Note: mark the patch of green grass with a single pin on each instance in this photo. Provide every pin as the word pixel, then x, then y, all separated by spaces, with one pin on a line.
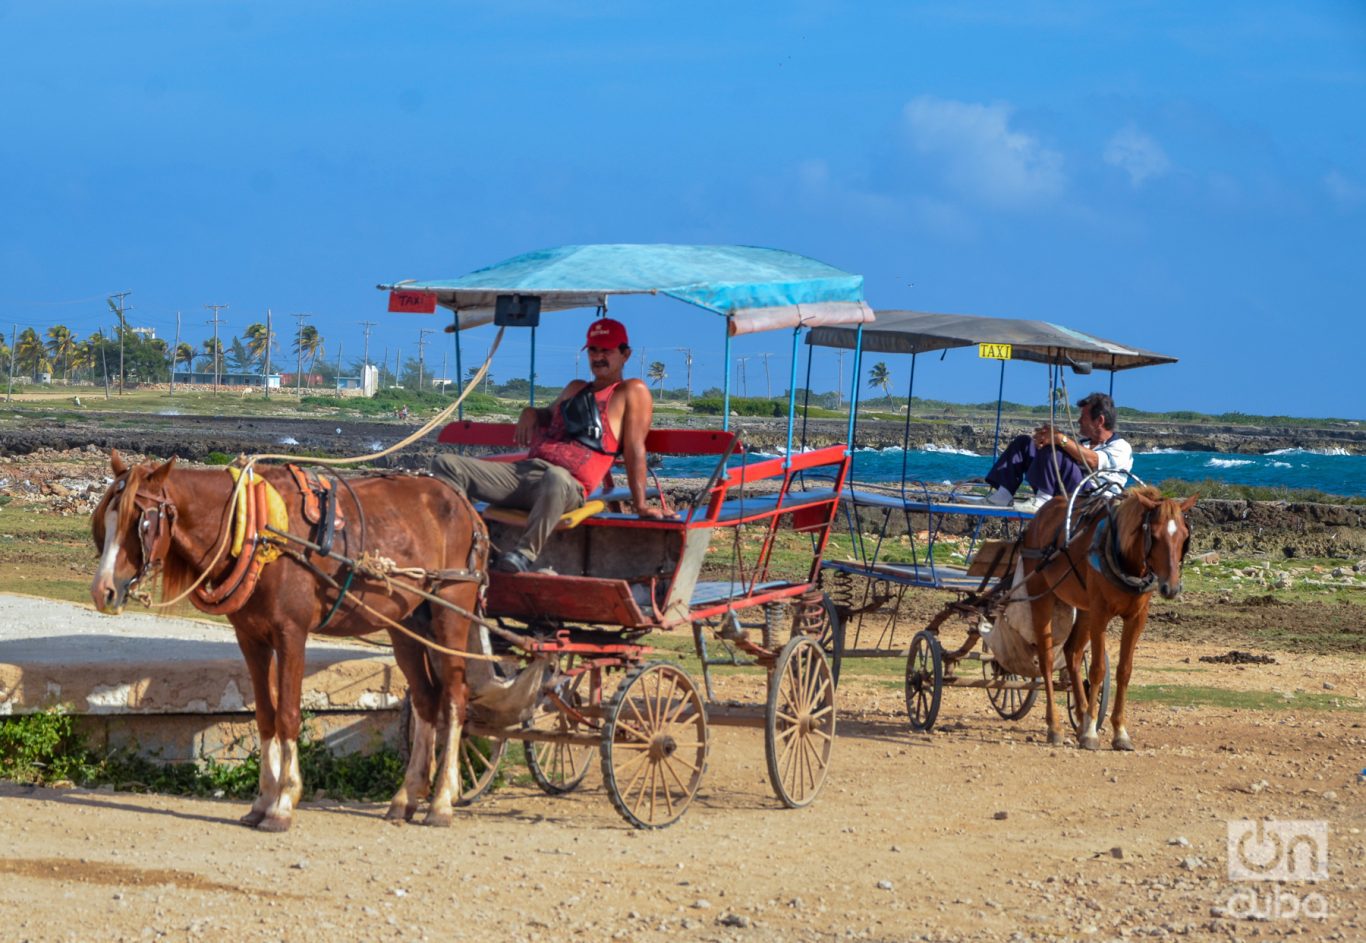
pixel 1176 695
pixel 48 747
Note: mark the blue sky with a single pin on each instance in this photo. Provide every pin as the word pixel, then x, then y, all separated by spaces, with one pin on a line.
pixel 1185 177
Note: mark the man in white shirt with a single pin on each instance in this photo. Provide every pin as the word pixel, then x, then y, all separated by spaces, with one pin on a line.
pixel 1054 463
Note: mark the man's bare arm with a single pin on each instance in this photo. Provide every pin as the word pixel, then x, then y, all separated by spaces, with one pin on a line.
pixel 534 419
pixel 635 424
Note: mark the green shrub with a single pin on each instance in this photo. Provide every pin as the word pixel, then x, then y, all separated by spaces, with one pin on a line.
pixel 217 458
pixel 741 406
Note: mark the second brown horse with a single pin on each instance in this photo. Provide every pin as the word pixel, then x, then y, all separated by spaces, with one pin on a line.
pixel 1116 558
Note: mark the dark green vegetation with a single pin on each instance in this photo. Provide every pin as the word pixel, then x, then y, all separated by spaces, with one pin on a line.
pixel 49 748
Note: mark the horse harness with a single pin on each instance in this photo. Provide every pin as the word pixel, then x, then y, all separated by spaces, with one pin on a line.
pixel 156 520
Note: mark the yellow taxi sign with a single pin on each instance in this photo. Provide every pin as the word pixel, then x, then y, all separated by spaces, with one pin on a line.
pixel 993 351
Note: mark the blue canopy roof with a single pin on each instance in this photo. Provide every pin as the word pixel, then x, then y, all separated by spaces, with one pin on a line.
pixel 758 289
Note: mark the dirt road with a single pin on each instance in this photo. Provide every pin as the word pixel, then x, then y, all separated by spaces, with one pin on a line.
pixel 978 831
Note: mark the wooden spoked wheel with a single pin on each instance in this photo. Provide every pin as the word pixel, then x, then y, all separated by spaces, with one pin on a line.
pixel 654 745
pixel 799 723
pixel 924 680
pixel 1010 703
pixel 559 768
pixel 480 758
pixel 1074 711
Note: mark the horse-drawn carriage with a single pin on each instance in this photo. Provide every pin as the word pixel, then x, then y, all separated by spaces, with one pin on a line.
pixel 607 579
pixel 986 568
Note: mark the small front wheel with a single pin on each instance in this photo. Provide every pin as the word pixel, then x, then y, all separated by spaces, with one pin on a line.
pixel 654 745
pixel 799 722
pixel 924 680
pixel 480 758
pixel 560 768
pixel 1010 703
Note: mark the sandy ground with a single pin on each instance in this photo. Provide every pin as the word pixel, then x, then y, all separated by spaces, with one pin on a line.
pixel 977 831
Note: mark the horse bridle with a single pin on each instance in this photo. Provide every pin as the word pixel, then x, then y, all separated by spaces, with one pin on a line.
pixel 156 521
pixel 1107 553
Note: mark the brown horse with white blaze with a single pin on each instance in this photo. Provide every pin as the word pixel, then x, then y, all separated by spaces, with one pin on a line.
pixel 173 520
pixel 1116 557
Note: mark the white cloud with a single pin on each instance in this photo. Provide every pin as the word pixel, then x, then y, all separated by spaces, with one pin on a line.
pixel 1136 154
pixel 979 154
pixel 1344 191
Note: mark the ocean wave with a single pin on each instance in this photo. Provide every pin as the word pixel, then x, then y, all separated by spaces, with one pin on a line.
pixel 1335 450
pixel 1281 465
pixel 1161 452
pixel 947 450
pixel 1228 462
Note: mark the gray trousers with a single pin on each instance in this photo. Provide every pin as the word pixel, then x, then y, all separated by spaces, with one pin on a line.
pixel 533 485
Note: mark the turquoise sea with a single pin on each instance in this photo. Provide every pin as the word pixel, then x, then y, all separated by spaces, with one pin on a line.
pixel 1334 473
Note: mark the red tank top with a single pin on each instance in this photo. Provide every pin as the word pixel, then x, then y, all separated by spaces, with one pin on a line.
pixel 588 466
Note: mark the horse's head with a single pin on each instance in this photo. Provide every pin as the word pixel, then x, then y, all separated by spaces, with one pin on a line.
pixel 132 530
pixel 1164 533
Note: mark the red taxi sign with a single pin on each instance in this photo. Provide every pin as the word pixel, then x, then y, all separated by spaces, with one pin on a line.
pixel 412 302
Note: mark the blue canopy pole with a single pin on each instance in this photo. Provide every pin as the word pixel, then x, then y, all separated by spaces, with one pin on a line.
pixel 725 395
pixel 1112 376
pixel 459 373
pixel 806 396
pixel 906 436
pixel 1000 395
pixel 533 366
pixel 792 396
pixel 853 395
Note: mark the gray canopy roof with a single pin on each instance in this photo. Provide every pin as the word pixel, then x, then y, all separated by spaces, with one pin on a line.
pixel 913 332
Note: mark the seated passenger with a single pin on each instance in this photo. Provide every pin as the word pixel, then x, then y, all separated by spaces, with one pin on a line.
pixel 1056 464
pixel 572 445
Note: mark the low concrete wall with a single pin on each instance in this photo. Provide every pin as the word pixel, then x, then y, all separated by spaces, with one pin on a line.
pixel 176 688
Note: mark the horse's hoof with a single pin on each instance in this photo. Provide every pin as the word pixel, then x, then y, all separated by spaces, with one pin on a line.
pixel 439 819
pixel 1054 738
pixel 275 823
pixel 398 813
pixel 252 818
pixel 1089 743
pixel 1123 743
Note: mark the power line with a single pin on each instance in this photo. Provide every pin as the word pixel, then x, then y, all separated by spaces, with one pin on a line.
pixel 119 309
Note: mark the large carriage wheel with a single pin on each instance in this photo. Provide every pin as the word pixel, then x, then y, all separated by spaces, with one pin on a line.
pixel 1010 703
pixel 480 758
pixel 799 722
pixel 654 745
pixel 559 768
pixel 924 680
pixel 1074 708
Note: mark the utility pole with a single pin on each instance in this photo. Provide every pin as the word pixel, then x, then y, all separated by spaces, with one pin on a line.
pixel 299 350
pixel 119 309
pixel 444 375
pixel 217 367
pixel 839 385
pixel 421 346
pixel 768 382
pixel 398 366
pixel 13 343
pixel 265 376
pixel 339 348
pixel 365 356
pixel 175 351
pixel 384 367
pixel 740 365
pixel 687 359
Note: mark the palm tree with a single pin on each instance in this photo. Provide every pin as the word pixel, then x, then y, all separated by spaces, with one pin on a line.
pixel 30 356
pixel 183 352
pixel 61 343
pixel 880 376
pixel 213 353
pixel 258 340
pixel 658 376
pixel 309 345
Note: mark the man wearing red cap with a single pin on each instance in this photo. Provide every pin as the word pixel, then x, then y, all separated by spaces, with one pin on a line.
pixel 572 444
